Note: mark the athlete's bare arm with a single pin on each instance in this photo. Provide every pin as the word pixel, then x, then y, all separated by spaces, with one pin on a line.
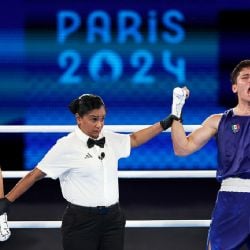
pixel 187 144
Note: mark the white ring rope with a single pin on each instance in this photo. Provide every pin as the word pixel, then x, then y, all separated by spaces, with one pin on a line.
pixel 129 223
pixel 140 174
pixel 70 128
pixel 122 174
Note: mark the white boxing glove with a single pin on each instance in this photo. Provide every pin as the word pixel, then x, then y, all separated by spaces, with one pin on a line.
pixel 179 97
pixel 4 228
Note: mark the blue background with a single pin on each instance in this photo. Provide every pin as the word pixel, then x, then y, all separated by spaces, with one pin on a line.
pixel 204 44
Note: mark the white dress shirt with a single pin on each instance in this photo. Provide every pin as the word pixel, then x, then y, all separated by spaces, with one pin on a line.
pixel 85 178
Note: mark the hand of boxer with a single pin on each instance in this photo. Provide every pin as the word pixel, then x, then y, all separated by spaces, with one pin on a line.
pixel 4 228
pixel 179 97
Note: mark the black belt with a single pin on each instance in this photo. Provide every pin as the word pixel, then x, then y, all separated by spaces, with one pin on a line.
pixel 95 210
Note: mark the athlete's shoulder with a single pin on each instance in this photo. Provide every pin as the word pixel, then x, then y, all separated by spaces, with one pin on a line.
pixel 213 121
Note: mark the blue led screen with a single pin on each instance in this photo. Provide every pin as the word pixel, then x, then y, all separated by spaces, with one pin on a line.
pixel 132 55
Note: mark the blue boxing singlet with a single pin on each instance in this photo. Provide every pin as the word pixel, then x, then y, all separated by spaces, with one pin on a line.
pixel 230 222
pixel 233 139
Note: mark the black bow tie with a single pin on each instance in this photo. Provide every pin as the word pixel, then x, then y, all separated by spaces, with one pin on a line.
pixel 91 142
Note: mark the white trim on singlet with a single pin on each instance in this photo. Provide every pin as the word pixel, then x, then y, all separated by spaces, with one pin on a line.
pixel 235 185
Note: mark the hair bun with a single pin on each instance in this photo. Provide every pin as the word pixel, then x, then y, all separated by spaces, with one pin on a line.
pixel 73 106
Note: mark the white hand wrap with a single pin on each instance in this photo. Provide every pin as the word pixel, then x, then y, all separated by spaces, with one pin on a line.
pixel 4 228
pixel 179 96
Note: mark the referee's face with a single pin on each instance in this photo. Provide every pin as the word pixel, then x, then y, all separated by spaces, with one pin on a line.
pixel 92 122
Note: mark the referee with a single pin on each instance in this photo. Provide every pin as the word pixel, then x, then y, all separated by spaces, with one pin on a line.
pixel 86 163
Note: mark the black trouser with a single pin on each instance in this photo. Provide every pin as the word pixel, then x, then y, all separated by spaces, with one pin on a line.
pixel 99 228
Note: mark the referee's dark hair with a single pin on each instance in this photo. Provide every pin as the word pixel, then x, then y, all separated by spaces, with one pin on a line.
pixel 85 103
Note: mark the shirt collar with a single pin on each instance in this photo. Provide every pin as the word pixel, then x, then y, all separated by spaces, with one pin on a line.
pixel 82 136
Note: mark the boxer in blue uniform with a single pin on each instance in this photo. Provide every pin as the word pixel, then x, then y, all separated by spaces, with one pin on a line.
pixel 230 224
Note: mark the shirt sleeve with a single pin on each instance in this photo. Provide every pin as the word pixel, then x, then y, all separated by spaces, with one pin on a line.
pixel 53 163
pixel 121 144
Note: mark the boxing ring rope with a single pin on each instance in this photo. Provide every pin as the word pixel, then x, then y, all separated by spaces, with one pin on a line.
pixel 122 174
pixel 140 174
pixel 129 224
pixel 70 128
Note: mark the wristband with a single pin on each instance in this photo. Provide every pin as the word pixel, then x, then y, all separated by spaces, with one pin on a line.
pixel 167 122
pixel 4 205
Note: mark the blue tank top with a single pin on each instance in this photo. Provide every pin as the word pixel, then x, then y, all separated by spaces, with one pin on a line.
pixel 233 139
